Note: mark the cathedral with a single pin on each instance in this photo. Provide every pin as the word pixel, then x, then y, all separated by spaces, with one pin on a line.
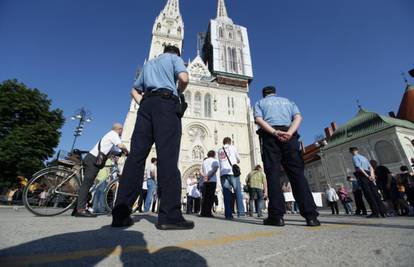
pixel 217 95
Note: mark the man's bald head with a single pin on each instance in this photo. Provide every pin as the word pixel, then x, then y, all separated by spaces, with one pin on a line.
pixel 117 127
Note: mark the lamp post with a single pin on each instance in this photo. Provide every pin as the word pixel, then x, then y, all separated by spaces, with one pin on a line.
pixel 83 116
pixel 321 144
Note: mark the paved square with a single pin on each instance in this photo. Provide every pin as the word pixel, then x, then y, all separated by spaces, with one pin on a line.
pixel 67 241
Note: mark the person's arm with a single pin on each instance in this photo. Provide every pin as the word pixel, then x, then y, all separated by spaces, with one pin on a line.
pixel 237 155
pixel 371 176
pixel 154 172
pixel 181 73
pixel 297 120
pixel 294 126
pixel 136 95
pixel 213 170
pixel 123 148
pixel 183 81
pixel 266 127
pixel 264 186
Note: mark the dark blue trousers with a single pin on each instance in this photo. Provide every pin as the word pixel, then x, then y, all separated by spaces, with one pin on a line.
pixel 276 154
pixel 157 122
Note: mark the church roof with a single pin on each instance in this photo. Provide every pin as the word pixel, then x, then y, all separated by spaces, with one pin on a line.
pixel 363 124
pixel 406 111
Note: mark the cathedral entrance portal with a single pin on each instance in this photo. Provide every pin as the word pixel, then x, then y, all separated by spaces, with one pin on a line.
pixel 192 172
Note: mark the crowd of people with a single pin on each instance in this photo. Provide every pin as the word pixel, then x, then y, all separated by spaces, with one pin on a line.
pixel 386 194
pixel 159 92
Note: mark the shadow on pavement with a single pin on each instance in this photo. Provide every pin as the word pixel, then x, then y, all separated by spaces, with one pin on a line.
pixel 259 221
pixel 367 224
pixel 88 248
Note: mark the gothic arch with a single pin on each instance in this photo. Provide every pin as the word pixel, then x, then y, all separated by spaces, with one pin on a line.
pixel 190 172
pixel 199 125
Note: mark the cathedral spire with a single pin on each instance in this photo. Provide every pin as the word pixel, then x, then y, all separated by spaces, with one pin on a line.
pixel 221 9
pixel 172 8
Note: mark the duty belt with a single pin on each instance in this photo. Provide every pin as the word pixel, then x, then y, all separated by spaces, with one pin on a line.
pixel 164 93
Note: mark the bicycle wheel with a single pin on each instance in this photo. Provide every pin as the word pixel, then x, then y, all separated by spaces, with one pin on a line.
pixel 110 195
pixel 51 191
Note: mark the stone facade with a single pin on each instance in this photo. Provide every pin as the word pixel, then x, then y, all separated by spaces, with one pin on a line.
pixel 219 105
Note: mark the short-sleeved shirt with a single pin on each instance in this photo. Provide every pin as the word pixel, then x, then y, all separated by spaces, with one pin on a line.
pixel 210 167
pixel 108 142
pixel 161 73
pixel 256 179
pixel 276 111
pixel 150 170
pixel 225 167
pixel 361 163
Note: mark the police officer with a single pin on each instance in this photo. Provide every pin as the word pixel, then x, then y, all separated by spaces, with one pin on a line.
pixel 158 121
pixel 279 120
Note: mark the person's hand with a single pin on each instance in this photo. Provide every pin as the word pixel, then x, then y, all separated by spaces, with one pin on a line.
pixel 284 136
pixel 265 195
pixel 371 178
pixel 205 178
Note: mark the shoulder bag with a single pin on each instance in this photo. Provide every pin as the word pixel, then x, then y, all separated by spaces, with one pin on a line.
pixel 101 158
pixel 235 167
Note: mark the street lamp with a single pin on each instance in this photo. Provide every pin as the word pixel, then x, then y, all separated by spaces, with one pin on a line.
pixel 83 116
pixel 321 144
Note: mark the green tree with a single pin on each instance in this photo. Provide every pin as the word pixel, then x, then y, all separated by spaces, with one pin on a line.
pixel 29 130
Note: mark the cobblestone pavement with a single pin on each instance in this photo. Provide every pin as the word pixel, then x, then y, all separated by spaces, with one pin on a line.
pixel 340 241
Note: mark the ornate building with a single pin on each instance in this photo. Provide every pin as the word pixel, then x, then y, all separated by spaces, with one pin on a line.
pixel 219 105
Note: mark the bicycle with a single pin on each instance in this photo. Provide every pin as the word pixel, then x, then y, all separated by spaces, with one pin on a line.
pixel 54 190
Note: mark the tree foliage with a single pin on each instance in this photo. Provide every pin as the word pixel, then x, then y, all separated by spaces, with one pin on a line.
pixel 29 130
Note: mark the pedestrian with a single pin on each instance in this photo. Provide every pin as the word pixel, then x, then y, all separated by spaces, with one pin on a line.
pixel 161 108
pixel 228 157
pixel 332 199
pixel 345 199
pixel 209 172
pixel 365 175
pixel 287 188
pixel 357 192
pixel 279 120
pixel 406 179
pixel 387 184
pixel 151 174
pixel 191 184
pixel 143 195
pixel 93 162
pixel 43 197
pixel 257 186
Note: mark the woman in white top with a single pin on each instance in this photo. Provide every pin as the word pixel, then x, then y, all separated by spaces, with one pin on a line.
pixel 332 199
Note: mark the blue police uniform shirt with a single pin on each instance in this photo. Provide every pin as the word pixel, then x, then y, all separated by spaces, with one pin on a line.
pixel 161 73
pixel 276 111
pixel 361 162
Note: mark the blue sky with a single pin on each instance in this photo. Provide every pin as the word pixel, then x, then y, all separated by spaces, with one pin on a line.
pixel 323 54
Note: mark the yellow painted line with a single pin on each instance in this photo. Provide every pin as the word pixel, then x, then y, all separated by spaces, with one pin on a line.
pixel 327 226
pixel 118 250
